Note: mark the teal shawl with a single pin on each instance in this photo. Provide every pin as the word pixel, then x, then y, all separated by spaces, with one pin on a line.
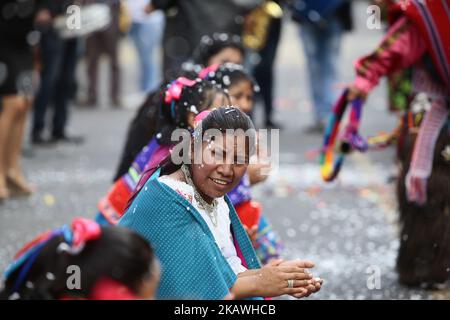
pixel 192 265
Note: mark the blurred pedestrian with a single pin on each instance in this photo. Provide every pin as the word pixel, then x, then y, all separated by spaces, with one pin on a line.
pixel 16 88
pixel 266 49
pixel 114 264
pixel 101 42
pixel 188 21
pixel 58 59
pixel 322 23
pixel 146 32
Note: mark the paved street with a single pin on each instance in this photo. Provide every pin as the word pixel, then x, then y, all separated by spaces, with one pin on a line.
pixel 348 228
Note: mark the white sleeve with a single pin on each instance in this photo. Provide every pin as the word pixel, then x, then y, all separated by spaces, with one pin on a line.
pixel 236 264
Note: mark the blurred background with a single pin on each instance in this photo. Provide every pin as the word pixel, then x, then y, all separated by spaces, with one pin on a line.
pixel 348 227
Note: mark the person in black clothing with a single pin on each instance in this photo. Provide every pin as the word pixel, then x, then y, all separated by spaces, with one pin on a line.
pixel 263 71
pixel 58 62
pixel 188 21
pixel 16 88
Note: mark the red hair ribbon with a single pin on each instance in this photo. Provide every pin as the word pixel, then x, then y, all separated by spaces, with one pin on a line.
pixel 84 230
pixel 176 87
pixel 205 71
pixel 249 213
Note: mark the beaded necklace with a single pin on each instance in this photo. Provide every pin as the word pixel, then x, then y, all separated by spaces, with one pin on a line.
pixel 211 209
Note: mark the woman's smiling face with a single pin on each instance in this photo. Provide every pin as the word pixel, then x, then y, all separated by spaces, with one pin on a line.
pixel 223 165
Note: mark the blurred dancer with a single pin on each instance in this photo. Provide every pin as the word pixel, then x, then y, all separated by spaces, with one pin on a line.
pixel 419 39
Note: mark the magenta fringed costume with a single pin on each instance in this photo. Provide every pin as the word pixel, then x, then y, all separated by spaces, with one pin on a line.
pixel 419 39
pixel 114 204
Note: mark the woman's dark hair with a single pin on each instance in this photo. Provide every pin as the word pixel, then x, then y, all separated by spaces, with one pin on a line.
pixel 210 45
pixel 195 98
pixel 119 254
pixel 222 119
pixel 140 130
pixel 229 74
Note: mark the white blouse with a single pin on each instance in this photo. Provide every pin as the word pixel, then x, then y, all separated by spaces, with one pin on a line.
pixel 222 233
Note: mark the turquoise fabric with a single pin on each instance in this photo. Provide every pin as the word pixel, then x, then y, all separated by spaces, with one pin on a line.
pixel 192 264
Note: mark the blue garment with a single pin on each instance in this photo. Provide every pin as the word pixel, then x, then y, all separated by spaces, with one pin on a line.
pixel 314 10
pixel 147 36
pixel 101 220
pixel 321 46
pixel 268 243
pixel 192 264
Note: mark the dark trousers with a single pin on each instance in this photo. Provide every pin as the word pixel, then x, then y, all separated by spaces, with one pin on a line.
pixel 105 41
pixel 58 58
pixel 263 72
